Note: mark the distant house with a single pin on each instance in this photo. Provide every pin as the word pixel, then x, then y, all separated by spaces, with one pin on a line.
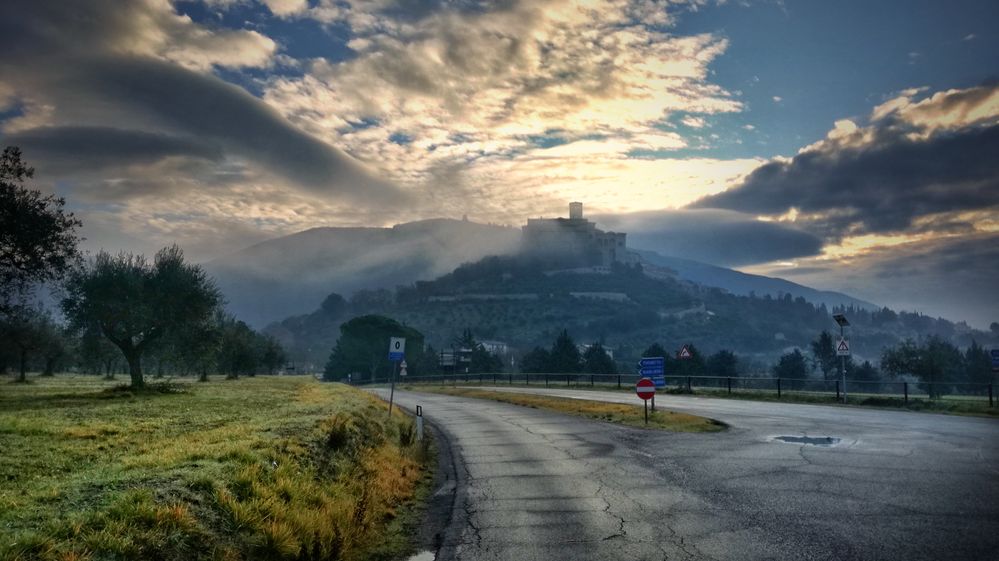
pixel 495 347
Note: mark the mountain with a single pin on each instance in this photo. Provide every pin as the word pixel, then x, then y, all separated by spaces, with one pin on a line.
pixel 523 301
pixel 293 274
pixel 745 284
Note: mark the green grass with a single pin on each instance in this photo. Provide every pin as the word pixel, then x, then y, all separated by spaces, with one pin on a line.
pixel 260 468
pixel 951 404
pixel 631 415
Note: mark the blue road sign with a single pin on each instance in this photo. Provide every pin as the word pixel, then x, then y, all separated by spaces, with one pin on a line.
pixel 995 360
pixel 397 349
pixel 655 368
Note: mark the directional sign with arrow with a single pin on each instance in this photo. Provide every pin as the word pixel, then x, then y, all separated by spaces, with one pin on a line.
pixel 653 367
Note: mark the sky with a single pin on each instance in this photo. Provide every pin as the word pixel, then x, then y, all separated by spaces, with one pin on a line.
pixel 845 145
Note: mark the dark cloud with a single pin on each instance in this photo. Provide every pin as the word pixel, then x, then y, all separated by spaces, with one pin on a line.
pixel 878 187
pixel 102 147
pixel 953 277
pixel 713 236
pixel 99 84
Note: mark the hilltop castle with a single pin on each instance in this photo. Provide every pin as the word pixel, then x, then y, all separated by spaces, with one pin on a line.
pixel 575 236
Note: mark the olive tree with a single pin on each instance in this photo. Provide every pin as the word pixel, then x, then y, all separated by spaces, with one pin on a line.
pixel 37 237
pixel 134 303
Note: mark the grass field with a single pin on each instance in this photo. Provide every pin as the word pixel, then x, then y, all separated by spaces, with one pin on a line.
pixel 949 404
pixel 632 415
pixel 256 468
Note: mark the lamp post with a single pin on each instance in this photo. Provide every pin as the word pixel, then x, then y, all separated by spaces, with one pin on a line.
pixel 842 321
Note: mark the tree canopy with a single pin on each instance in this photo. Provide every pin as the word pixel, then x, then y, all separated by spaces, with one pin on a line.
pixel 37 237
pixel 597 361
pixel 362 348
pixel 564 355
pixel 134 303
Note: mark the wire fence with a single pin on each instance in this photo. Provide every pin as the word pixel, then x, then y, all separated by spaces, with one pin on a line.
pixel 903 391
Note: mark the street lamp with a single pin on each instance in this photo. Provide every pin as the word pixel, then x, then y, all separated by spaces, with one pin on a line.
pixel 842 321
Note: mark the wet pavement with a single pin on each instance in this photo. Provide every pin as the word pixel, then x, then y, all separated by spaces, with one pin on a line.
pixel 534 484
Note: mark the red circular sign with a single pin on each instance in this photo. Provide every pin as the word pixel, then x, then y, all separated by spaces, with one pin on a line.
pixel 645 388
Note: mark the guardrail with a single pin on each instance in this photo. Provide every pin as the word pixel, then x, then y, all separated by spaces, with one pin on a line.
pixel 903 390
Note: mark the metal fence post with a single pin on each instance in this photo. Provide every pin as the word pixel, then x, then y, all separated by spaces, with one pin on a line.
pixel 990 395
pixel 778 388
pixel 688 385
pixel 905 389
pixel 730 385
pixel 494 378
pixel 591 380
pixel 546 380
pixel 618 381
pixel 567 380
pixel 837 390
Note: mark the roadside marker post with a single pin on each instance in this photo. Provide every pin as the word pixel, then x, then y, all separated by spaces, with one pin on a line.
pixel 419 422
pixel 397 353
pixel 646 390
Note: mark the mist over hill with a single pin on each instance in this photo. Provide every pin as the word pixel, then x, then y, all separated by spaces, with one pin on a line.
pixel 292 275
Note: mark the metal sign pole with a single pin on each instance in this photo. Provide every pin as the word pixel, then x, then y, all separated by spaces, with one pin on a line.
pixel 646 402
pixel 842 365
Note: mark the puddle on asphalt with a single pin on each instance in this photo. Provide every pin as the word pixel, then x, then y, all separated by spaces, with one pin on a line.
pixel 809 440
pixel 423 556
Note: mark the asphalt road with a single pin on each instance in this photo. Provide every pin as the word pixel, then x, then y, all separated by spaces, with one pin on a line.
pixel 533 484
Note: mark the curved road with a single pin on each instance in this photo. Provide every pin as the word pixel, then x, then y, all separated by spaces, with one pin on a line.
pixel 534 484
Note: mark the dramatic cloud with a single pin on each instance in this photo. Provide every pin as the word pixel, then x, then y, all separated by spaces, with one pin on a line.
pixel 917 160
pixel 953 276
pixel 460 88
pixel 138 72
pixel 62 148
pixel 712 236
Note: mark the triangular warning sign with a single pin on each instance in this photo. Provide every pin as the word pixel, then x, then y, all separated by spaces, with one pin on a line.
pixel 684 353
pixel 843 346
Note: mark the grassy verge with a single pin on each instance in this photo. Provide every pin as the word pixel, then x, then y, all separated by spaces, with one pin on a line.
pixel 631 415
pixel 264 468
pixel 954 405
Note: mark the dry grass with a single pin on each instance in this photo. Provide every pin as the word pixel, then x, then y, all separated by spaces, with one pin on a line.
pixel 632 415
pixel 265 468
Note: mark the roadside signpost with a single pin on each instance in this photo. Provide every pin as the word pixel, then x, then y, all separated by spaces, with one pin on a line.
pixel 653 367
pixel 646 390
pixel 397 354
pixel 995 360
pixel 397 348
pixel 843 348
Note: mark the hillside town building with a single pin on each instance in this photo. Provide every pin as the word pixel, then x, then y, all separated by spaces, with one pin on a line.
pixel 575 236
